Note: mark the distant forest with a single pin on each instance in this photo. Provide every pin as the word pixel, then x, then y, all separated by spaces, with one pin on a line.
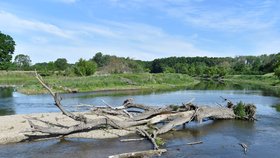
pixel 193 66
pixel 108 64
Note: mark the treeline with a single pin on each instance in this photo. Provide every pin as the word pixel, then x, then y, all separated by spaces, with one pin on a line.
pixel 108 64
pixel 220 66
pixel 194 66
pixel 99 63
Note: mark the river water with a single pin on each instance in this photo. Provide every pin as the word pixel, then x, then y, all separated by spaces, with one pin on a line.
pixel 220 138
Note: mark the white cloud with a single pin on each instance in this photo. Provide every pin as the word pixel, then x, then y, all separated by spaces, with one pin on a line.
pixel 13 23
pixel 228 16
pixel 81 40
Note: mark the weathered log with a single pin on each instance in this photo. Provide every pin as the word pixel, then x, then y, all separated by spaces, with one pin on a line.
pixel 121 118
pixel 214 113
pixel 133 139
pixel 194 143
pixel 182 118
pixel 139 154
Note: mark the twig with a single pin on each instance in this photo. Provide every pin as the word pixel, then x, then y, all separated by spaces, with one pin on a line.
pixel 111 107
pixel 129 140
pixel 146 134
pixel 190 101
pixel 194 143
pixel 244 146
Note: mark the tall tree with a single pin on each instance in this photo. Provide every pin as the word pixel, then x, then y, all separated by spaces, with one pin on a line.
pixel 7 48
pixel 61 64
pixel 22 62
pixel 100 59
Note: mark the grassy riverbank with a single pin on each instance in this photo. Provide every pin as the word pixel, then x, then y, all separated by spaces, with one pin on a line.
pixel 264 80
pixel 27 83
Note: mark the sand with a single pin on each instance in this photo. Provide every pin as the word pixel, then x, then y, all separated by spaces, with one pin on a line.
pixel 13 127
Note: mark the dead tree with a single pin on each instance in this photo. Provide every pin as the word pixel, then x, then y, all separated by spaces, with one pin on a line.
pixel 146 119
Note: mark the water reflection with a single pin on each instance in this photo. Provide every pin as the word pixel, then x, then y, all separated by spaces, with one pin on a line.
pixel 205 93
pixel 6 101
pixel 6 92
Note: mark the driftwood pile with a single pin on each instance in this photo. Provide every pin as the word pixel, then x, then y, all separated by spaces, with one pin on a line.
pixel 149 122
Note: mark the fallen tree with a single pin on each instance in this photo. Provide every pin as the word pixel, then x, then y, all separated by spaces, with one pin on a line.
pixel 146 121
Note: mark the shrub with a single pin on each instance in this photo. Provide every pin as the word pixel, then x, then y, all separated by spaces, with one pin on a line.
pixel 239 109
pixel 85 68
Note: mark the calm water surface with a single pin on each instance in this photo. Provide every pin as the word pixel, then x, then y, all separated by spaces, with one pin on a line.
pixel 220 138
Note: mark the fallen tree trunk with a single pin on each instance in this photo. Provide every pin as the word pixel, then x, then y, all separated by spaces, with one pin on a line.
pixel 121 118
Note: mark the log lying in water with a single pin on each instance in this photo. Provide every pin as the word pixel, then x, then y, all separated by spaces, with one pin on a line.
pixel 147 153
pixel 148 117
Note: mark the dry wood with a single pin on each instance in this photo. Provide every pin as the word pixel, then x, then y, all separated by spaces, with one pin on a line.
pixel 244 146
pixel 194 143
pixel 144 133
pixel 139 154
pixel 130 140
pixel 57 100
pixel 181 119
pixel 121 118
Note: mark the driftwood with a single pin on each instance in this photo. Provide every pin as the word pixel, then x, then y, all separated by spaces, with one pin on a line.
pixel 244 146
pixel 132 139
pixel 130 115
pixel 139 154
pixel 194 143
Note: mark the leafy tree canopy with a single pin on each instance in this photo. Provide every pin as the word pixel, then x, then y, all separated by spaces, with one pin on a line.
pixel 61 64
pixel 7 48
pixel 22 62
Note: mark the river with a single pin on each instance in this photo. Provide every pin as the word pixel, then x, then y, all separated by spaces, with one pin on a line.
pixel 220 138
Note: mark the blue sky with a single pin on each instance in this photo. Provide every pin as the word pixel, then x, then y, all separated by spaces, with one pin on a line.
pixel 141 29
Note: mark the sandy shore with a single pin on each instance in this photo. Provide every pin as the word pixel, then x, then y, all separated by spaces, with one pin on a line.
pixel 13 127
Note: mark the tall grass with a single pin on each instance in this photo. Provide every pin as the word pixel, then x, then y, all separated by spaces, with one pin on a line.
pixel 97 82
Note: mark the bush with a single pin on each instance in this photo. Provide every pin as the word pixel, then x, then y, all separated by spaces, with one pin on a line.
pixel 239 109
pixel 85 68
pixel 277 72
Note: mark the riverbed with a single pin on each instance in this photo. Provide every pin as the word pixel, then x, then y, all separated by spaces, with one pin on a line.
pixel 220 138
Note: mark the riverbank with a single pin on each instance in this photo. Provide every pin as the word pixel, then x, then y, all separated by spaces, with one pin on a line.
pixel 27 83
pixel 268 80
pixel 13 127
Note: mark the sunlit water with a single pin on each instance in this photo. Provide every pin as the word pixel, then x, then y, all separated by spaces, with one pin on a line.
pixel 220 138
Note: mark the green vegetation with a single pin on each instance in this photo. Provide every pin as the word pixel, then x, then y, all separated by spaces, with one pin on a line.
pixel 245 111
pixel 85 68
pixel 7 48
pixel 265 80
pixel 206 67
pixel 277 107
pixel 97 82
pixel 159 141
pixel 22 62
pixel 239 110
pixel 112 72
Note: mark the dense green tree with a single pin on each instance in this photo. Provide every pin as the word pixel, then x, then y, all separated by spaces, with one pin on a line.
pixel 22 62
pixel 7 48
pixel 277 72
pixel 100 59
pixel 61 64
pixel 85 68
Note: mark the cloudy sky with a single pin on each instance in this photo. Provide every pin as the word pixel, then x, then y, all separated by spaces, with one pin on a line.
pixel 141 29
